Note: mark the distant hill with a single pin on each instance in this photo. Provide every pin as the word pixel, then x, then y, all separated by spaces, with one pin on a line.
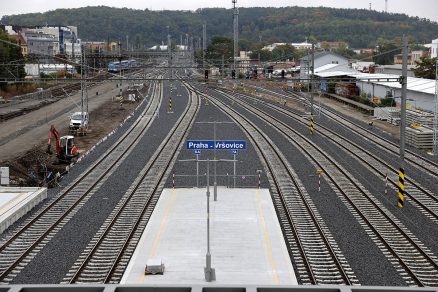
pixel 358 27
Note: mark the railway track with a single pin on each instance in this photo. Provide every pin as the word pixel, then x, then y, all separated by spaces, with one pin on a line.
pixel 425 200
pixel 317 258
pixel 108 254
pixel 422 163
pixel 416 264
pixel 29 238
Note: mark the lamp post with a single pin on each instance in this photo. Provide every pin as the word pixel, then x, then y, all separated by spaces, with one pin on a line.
pixel 209 272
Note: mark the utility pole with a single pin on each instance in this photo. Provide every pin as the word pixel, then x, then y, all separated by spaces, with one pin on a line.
pixel 312 121
pixel 386 6
pixel 404 82
pixel 204 44
pixel 120 67
pixel 82 86
pixel 236 32
pixel 169 51
pixel 435 120
pixel 223 66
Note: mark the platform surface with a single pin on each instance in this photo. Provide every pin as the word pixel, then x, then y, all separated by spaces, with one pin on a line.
pixel 247 245
pixel 17 201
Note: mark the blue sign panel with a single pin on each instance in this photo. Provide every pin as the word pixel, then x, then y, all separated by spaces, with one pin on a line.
pixel 230 145
pixel 211 145
pixel 234 152
pixel 200 145
pixel 197 151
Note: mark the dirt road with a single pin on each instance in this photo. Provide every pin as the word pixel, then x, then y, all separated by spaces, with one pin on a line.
pixel 23 139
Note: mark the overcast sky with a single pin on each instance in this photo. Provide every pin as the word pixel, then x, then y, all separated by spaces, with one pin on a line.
pixel 420 8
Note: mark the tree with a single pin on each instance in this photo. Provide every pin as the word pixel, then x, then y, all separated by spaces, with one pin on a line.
pixel 265 55
pixel 10 54
pixel 344 51
pixel 220 46
pixel 426 68
pixel 283 52
pixel 386 50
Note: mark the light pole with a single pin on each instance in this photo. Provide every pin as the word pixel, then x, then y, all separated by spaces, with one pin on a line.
pixel 209 272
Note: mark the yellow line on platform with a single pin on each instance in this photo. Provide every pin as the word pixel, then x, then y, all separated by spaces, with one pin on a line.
pixel 161 229
pixel 266 239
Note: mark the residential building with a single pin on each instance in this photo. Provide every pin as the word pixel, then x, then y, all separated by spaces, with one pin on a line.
pixel 302 46
pixel 244 61
pixel 364 51
pixel 321 59
pixel 95 46
pixel 18 38
pixel 412 57
pixel 299 46
pixel 271 47
pixel 332 45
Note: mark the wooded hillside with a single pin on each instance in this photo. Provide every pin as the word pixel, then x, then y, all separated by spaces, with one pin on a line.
pixel 359 28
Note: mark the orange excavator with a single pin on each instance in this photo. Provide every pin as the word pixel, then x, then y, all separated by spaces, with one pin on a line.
pixel 66 150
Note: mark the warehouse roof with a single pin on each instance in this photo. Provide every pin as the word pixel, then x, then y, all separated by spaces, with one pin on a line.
pixel 414 84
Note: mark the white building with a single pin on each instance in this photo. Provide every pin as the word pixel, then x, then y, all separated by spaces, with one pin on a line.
pixel 243 61
pixel 158 48
pixel 36 69
pixel 73 50
pixel 434 49
pixel 331 60
pixel 420 91
pixel 271 47
pixel 62 36
pixel 302 46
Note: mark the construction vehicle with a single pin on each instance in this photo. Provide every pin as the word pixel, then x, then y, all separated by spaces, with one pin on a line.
pixel 66 150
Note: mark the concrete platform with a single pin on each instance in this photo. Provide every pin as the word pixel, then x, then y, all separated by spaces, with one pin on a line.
pixel 247 245
pixel 16 202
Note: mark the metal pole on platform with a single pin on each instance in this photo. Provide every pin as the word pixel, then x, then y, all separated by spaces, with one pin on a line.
pixel 209 272
pixel 215 177
pixel 234 171
pixel 197 170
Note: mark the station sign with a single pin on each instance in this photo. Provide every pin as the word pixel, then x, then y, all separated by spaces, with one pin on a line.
pixel 218 145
